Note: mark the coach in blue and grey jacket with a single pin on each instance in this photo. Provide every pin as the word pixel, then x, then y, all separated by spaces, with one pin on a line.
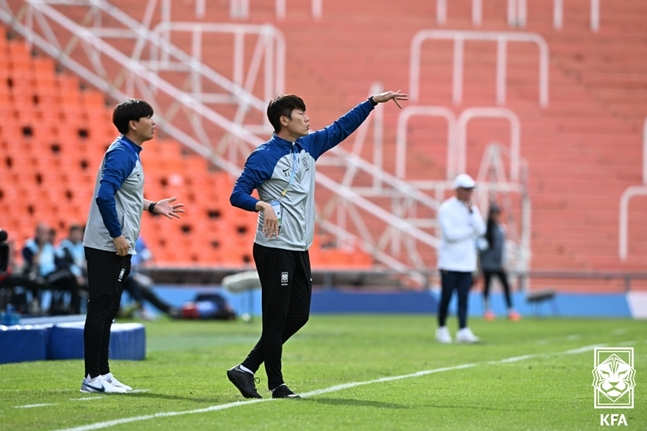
pixel 283 171
pixel 111 231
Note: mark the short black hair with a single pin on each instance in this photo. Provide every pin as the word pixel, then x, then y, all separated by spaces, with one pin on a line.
pixel 128 110
pixel 282 106
pixel 76 226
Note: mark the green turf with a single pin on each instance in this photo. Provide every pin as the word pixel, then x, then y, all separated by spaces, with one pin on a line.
pixel 186 362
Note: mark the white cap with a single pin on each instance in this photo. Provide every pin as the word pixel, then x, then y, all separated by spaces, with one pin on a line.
pixel 464 181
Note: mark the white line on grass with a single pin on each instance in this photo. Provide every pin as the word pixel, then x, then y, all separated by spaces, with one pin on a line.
pixel 582 349
pixel 383 379
pixel 627 343
pixel 107 424
pixel 31 406
pixel 86 398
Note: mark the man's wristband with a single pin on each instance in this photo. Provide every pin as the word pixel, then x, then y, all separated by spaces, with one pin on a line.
pixel 151 207
pixel 373 102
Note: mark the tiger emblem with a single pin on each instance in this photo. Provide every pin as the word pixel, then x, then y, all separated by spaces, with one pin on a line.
pixel 614 378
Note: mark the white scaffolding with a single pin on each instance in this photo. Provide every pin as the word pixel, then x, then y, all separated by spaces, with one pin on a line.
pixel 459 37
pixel 177 82
pixel 627 195
pixel 517 13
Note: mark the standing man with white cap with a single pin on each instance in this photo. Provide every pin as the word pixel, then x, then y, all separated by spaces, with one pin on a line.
pixel 461 223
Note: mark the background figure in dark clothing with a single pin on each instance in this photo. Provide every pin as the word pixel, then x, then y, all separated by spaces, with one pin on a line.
pixel 48 271
pixel 70 250
pixel 140 286
pixel 492 258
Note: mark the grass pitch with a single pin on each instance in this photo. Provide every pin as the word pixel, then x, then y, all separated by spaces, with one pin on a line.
pixel 378 372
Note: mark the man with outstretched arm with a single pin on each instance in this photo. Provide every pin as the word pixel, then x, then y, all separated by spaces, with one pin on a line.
pixel 282 170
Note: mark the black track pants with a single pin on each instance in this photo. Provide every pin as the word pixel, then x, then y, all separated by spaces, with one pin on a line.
pixel 286 286
pixel 107 273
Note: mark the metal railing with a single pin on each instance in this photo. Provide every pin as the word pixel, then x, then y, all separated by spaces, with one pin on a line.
pixel 459 37
pixel 353 203
pixel 517 13
pixel 492 177
pixel 627 195
pixel 401 137
pixel 239 9
pixel 441 12
pixel 515 137
pixel 342 213
pixel 457 136
pixel 496 186
pixel 134 74
pixel 269 49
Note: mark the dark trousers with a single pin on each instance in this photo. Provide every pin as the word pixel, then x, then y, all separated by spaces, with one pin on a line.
pixel 60 282
pixel 487 278
pixel 454 280
pixel 286 288
pixel 107 273
pixel 139 287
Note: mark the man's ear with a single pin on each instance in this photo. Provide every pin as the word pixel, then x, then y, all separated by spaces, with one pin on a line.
pixel 132 125
pixel 284 121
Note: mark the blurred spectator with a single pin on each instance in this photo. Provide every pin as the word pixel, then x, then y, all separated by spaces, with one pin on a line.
pixel 140 286
pixel 14 284
pixel 48 271
pixel 5 269
pixel 492 257
pixel 72 254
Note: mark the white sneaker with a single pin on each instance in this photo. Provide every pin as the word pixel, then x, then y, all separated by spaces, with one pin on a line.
pixel 465 335
pixel 99 385
pixel 443 336
pixel 114 382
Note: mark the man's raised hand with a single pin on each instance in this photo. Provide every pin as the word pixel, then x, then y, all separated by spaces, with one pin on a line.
pixel 390 95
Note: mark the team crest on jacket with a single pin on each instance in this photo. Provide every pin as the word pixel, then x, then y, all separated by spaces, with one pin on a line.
pixel 284 279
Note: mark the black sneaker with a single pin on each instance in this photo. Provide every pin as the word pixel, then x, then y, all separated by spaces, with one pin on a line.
pixel 284 392
pixel 244 381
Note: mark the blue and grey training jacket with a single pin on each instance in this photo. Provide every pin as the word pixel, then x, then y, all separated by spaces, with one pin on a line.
pixel 268 170
pixel 118 198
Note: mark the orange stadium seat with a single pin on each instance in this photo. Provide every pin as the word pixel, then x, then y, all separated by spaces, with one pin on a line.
pixel 53 169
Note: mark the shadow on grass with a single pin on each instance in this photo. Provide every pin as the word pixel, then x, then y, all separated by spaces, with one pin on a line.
pixel 353 402
pixel 195 399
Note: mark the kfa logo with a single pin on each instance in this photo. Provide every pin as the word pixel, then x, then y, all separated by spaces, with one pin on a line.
pixel 613 420
pixel 284 279
pixel 613 378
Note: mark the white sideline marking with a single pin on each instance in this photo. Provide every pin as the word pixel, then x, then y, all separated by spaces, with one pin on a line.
pixel 31 406
pixel 383 379
pixel 513 359
pixel 86 398
pixel 582 349
pixel 107 424
pixel 627 343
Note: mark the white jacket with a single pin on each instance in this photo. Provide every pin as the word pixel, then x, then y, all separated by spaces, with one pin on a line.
pixel 459 231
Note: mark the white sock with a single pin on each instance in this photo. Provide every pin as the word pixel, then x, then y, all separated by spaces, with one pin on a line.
pixel 247 370
pixel 107 377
